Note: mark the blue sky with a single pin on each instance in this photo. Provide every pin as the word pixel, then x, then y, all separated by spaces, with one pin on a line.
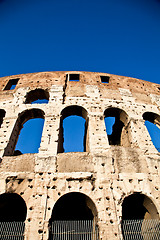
pixel 117 37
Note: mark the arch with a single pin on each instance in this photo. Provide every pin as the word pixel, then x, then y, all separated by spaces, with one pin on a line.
pixel 12 208
pixel 13 211
pixel 139 213
pixel 75 116
pixel 22 119
pixel 117 119
pixel 74 206
pixel 139 206
pixel 152 123
pixel 77 210
pixel 74 110
pixel 152 117
pixel 37 96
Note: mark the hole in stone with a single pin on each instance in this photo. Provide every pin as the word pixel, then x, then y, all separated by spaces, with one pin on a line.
pixel 73 77
pixel 105 79
pixel 11 84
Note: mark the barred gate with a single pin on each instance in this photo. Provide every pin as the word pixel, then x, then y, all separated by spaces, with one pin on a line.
pixel 141 229
pixel 73 230
pixel 12 230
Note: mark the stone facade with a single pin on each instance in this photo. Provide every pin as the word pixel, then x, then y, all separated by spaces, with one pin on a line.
pixel 105 173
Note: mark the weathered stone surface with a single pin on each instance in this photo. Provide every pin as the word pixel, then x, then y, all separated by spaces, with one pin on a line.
pixel 105 173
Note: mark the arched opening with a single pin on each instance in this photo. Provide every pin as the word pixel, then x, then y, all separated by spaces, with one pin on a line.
pixel 140 218
pixel 30 137
pixel 13 211
pixel 37 96
pixel 73 212
pixel 73 206
pixel 152 123
pixel 116 122
pixel 73 130
pixel 27 132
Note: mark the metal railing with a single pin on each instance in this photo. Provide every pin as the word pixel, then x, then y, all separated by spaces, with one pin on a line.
pixel 12 230
pixel 85 230
pixel 73 230
pixel 141 229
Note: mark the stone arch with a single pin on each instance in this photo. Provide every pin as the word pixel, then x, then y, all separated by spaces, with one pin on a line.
pixel 152 123
pixel 69 111
pixel 37 94
pixel 74 207
pixel 119 118
pixel 138 206
pixel 13 212
pixel 21 120
pixel 139 214
pixel 12 208
pixel 152 117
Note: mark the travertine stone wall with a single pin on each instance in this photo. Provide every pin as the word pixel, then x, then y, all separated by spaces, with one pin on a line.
pixel 105 173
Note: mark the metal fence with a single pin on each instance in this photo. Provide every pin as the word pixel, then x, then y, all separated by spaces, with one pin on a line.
pixel 85 230
pixel 73 230
pixel 12 230
pixel 141 229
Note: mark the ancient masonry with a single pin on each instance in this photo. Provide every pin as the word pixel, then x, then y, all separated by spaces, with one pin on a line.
pixel 114 179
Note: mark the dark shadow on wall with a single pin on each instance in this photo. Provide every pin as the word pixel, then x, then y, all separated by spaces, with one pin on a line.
pixel 2 115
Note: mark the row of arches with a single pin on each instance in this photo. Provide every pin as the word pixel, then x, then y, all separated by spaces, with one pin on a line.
pixel 73 129
pixel 75 206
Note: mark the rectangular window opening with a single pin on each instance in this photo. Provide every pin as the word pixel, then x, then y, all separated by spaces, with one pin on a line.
pixel 11 84
pixel 74 77
pixel 105 79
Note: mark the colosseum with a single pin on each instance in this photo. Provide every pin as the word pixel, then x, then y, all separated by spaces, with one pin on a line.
pixel 108 190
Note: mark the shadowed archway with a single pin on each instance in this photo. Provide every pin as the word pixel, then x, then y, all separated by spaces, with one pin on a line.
pixel 73 212
pixel 140 218
pixel 13 211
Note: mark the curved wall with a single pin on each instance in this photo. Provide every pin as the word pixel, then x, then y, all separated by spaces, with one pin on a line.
pixel 105 173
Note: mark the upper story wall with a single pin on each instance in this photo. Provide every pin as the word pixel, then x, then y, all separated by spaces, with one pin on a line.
pixel 47 79
pixel 133 96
